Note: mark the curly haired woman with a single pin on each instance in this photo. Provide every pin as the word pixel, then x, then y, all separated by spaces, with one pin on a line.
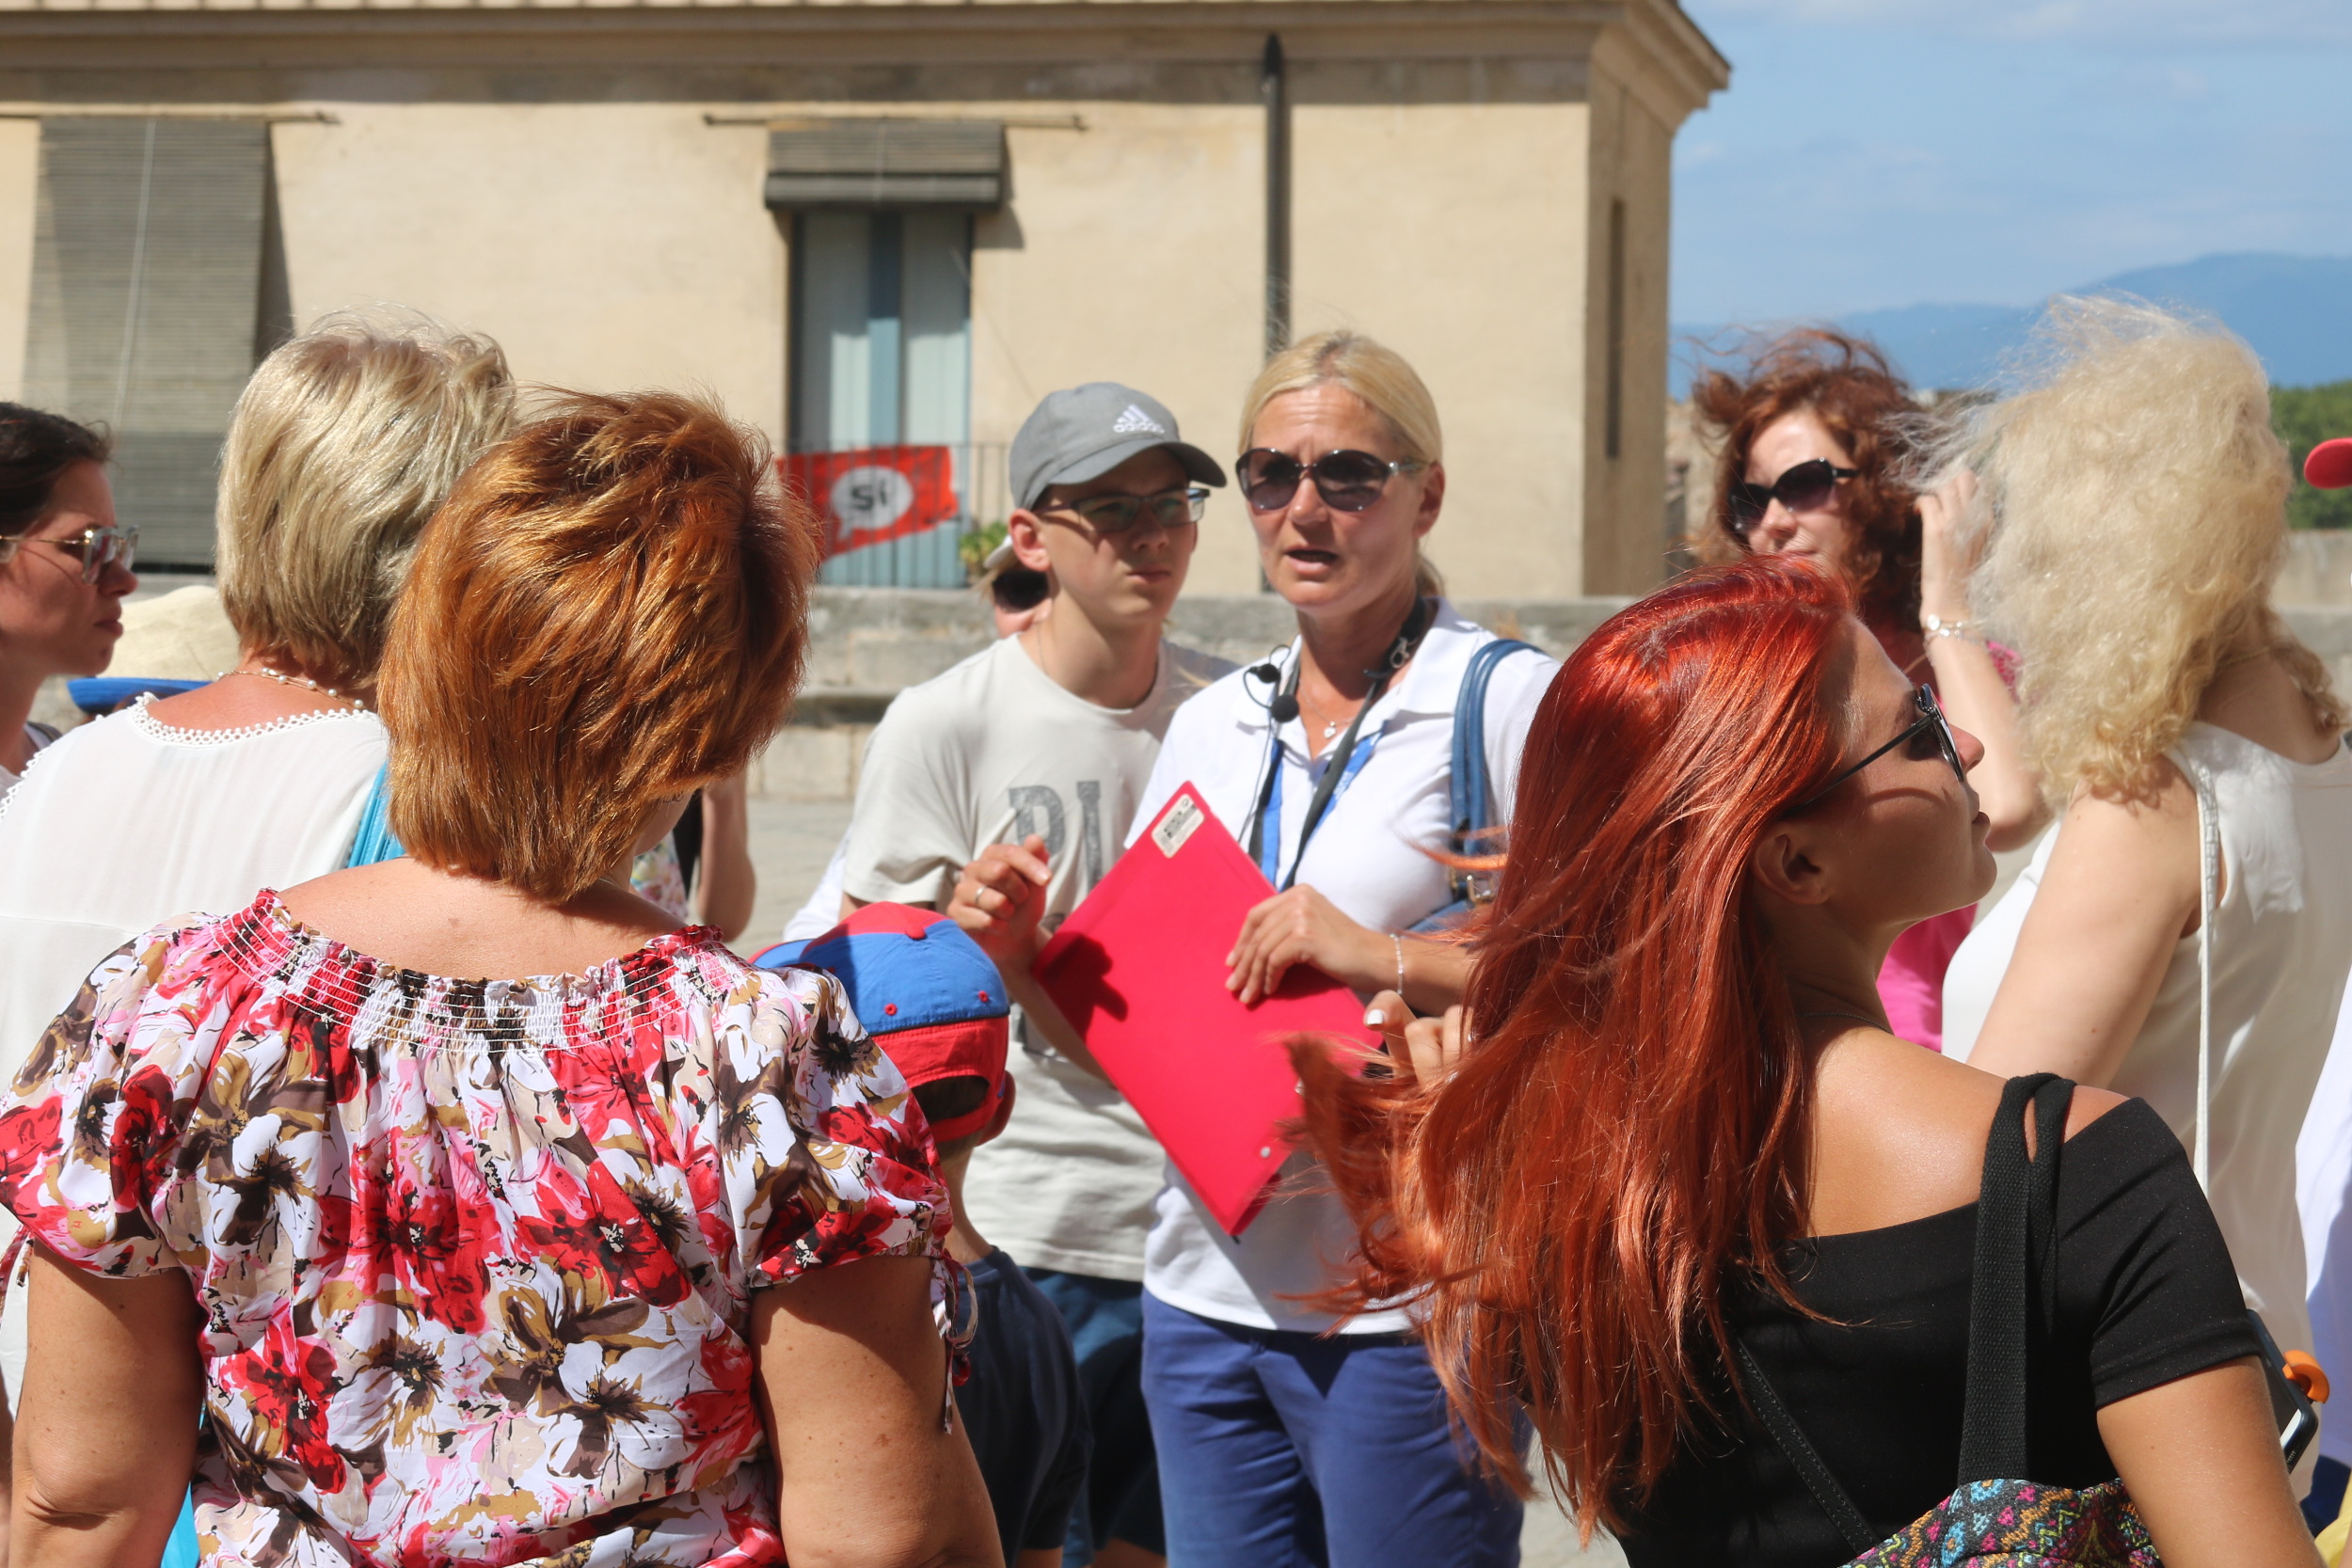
pixel 1816 441
pixel 2137 515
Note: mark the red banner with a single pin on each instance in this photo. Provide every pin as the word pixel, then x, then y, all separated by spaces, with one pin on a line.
pixel 874 494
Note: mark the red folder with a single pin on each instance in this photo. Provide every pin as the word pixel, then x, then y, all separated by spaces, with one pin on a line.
pixel 1138 969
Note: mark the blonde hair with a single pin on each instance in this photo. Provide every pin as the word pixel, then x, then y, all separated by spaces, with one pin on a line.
pixel 2133 513
pixel 1381 378
pixel 344 443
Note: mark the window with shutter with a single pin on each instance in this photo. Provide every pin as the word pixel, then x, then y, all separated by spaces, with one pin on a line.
pixel 147 283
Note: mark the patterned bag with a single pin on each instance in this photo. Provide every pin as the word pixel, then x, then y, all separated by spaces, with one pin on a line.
pixel 1990 1520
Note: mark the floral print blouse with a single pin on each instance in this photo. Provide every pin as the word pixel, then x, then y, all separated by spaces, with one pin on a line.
pixel 475 1257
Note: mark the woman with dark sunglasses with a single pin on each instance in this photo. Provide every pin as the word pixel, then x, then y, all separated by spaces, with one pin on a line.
pixel 65 565
pixel 1813 440
pixel 1286 1434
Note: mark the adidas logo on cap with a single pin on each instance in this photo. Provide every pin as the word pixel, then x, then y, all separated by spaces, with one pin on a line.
pixel 1135 421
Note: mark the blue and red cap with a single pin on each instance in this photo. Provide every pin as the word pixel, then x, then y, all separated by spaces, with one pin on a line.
pixel 926 993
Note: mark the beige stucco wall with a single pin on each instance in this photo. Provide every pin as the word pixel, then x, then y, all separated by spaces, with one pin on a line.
pixel 1454 233
pixel 1625 538
pixel 1132 250
pixel 605 246
pixel 19 186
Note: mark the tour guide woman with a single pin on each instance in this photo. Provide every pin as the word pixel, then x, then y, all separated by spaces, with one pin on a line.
pixel 1680 1138
pixel 628 1252
pixel 1277 1445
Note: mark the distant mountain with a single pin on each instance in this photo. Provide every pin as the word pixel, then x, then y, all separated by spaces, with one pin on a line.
pixel 2296 311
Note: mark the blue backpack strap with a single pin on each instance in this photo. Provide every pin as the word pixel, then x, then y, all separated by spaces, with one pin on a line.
pixel 1467 781
pixel 374 842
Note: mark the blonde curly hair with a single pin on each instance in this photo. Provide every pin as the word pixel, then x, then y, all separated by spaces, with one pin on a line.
pixel 2131 518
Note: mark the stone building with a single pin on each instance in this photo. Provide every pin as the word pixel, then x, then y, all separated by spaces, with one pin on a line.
pixel 881 228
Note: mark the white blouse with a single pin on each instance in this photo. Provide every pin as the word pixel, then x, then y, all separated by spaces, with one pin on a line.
pixel 1373 857
pixel 126 822
pixel 2281 946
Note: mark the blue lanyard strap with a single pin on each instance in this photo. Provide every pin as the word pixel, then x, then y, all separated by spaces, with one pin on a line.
pixel 1270 855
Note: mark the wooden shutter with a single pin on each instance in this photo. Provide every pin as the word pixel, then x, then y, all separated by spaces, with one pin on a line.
pixel 147 281
pixel 887 163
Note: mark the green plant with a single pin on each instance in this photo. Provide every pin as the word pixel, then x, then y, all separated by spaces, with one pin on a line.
pixel 974 547
pixel 2304 417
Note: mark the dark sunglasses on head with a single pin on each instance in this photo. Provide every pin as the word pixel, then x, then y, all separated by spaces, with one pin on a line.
pixel 1347 481
pixel 99 547
pixel 1805 488
pixel 1170 509
pixel 1929 729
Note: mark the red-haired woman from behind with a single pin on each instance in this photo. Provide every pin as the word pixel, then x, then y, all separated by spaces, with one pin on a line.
pixel 1817 438
pixel 1676 1129
pixel 487 1214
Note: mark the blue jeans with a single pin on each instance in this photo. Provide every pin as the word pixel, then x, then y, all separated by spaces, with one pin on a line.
pixel 1281 1449
pixel 1123 1497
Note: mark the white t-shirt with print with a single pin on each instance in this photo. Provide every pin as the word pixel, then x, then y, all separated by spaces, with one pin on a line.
pixel 989 753
pixel 1374 856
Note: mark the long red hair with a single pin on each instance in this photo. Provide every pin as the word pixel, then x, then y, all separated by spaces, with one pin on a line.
pixel 1626 1126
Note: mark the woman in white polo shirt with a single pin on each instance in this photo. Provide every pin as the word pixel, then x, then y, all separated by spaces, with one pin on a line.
pixel 1332 766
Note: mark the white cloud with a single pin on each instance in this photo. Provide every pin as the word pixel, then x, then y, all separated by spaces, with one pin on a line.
pixel 2153 24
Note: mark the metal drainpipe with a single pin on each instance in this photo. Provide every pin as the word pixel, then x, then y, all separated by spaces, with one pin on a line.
pixel 1274 88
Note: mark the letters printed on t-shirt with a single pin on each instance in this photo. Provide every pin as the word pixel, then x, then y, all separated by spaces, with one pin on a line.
pixel 1037 808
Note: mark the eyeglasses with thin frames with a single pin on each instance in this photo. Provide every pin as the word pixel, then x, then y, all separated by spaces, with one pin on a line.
pixel 1931 720
pixel 1170 509
pixel 99 547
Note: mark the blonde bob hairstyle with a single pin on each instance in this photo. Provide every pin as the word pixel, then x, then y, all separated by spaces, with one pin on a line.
pixel 2131 515
pixel 610 611
pixel 342 443
pixel 1380 378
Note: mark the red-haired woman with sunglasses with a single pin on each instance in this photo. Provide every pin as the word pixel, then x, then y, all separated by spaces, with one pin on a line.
pixel 1812 439
pixel 1673 1140
pixel 65 565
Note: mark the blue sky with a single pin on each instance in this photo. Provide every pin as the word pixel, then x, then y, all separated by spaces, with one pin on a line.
pixel 1886 152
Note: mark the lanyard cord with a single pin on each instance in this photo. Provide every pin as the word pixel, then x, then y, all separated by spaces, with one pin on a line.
pixel 1342 765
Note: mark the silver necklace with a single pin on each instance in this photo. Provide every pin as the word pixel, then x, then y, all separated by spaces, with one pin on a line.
pixel 1330 726
pixel 285 679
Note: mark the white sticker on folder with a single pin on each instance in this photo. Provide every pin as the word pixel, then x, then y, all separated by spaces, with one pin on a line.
pixel 1179 824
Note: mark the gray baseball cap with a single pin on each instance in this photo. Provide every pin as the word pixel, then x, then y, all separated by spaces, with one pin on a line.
pixel 1082 433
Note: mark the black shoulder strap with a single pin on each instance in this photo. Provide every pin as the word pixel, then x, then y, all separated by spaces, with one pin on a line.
pixel 2016 1230
pixel 1790 1439
pixel 2016 1242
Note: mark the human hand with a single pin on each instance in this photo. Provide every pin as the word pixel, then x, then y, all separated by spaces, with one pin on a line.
pixel 1000 899
pixel 1302 927
pixel 1420 1050
pixel 1944 557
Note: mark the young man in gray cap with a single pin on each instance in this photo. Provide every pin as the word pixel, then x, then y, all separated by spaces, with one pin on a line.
pixel 1028 758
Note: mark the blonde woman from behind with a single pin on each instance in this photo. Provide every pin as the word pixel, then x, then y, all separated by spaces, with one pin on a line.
pixel 342 445
pixel 2136 502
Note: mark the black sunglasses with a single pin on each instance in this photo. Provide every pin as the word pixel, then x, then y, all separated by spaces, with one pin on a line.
pixel 1805 488
pixel 1931 722
pixel 1347 481
pixel 1170 509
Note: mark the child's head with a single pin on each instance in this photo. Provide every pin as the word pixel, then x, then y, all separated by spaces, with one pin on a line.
pixel 934 1004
